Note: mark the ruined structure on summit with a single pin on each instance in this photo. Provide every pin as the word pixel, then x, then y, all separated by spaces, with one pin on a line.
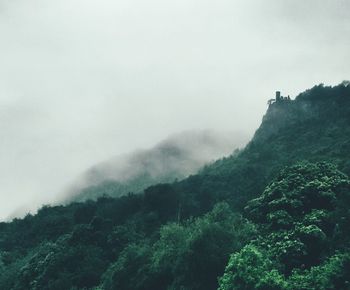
pixel 279 98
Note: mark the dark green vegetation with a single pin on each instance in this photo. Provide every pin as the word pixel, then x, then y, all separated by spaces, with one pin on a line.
pixel 272 216
pixel 303 218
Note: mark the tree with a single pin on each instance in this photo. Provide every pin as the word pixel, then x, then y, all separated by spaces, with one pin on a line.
pixel 300 216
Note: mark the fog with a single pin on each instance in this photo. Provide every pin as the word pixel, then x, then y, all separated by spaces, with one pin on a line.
pixel 83 80
pixel 174 158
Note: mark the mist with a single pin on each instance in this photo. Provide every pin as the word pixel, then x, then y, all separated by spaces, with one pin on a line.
pixel 82 81
pixel 174 158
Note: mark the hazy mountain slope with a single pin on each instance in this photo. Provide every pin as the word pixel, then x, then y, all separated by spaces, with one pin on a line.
pixel 180 235
pixel 176 157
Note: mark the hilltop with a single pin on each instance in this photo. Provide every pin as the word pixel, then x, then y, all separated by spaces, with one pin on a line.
pixel 314 127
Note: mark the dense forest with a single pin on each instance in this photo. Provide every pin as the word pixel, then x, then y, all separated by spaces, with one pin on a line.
pixel 274 215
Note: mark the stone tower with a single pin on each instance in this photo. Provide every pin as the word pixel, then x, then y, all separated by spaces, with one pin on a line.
pixel 278 96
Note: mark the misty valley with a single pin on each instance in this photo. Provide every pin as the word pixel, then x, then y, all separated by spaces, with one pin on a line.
pixel 203 211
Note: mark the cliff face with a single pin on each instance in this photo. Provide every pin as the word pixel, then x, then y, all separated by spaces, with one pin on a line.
pixel 278 115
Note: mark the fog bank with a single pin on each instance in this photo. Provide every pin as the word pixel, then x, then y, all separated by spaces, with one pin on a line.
pixel 176 157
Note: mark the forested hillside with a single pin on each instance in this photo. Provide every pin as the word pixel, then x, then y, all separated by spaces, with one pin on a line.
pixel 271 216
pixel 174 158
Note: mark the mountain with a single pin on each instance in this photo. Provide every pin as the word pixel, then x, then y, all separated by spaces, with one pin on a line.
pixel 176 157
pixel 314 127
pixel 273 215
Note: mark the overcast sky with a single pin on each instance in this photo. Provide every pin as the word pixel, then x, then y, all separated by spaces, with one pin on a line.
pixel 83 80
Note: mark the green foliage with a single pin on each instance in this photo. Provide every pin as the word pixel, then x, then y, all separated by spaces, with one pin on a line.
pixel 293 233
pixel 333 274
pixel 298 219
pixel 185 256
pixel 251 268
pixel 130 270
